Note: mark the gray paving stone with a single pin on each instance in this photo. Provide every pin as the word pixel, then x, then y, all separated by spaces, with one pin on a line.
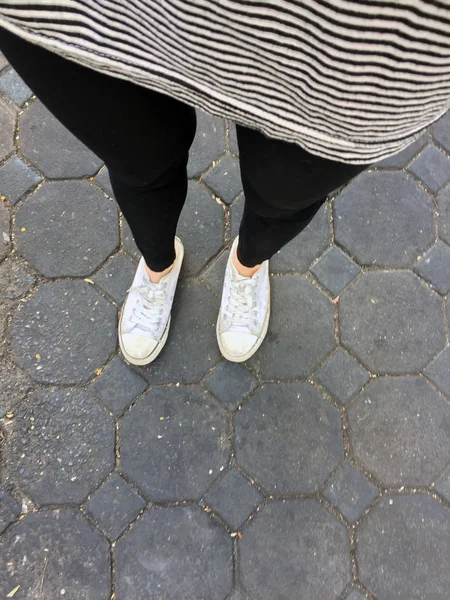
pixel 301 331
pixel 129 245
pixel 103 180
pixel 56 555
pixel 14 87
pixel 192 346
pixel 236 595
pixel 402 547
pixel 15 282
pixel 7 126
pixel 432 167
pixel 14 386
pixel 434 266
pixel 234 498
pixel 443 486
pixel 295 549
pixel 184 554
pixel 16 179
pixel 230 383
pixel 350 492
pixel 114 506
pixel 3 62
pixel 441 131
pixel 52 148
pixel 61 446
pixel 237 211
pixel 439 370
pixel 443 200
pixel 67 228
pixel 392 322
pixel 201 228
pixel 5 240
pixel 173 442
pixel 289 438
pixel 225 179
pixel 402 158
pixel 116 276
pixel 356 595
pixel 232 138
pixel 400 430
pixel 10 509
pixel 298 255
pixel 384 219
pixel 117 386
pixel 335 270
pixel 215 273
pixel 447 310
pixel 208 145
pixel 70 326
pixel 342 376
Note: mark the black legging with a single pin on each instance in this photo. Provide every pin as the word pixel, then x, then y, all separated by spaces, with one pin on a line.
pixel 144 139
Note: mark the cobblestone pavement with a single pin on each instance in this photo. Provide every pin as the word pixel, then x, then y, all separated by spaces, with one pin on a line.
pixel 317 471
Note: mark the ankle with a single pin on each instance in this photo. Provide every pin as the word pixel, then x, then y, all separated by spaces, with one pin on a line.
pixel 156 276
pixel 242 269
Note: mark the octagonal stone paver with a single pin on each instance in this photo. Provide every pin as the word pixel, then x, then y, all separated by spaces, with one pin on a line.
pixel 52 148
pixel 129 245
pixel 56 208
pixel 16 179
pixel 14 87
pixel 174 553
pixel 5 233
pixel 400 430
pixel 392 322
pixel 61 446
pixel 192 346
pixel 301 330
pixel 63 333
pixel 208 145
pixel 213 276
pixel 204 216
pixel 288 438
pixel 10 509
pixel 295 549
pixel 402 548
pixel 55 555
pixel 7 126
pixel 174 442
pixel 443 201
pixel 15 282
pixel 384 219
pixel 116 276
pixel 14 386
pixel 441 131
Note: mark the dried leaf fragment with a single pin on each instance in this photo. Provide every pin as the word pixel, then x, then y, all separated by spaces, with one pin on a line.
pixel 12 593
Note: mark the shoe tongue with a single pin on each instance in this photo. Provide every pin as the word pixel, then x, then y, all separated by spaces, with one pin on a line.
pixel 237 276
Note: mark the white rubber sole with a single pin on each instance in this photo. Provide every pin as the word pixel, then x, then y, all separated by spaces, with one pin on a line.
pixel 243 357
pixel 153 355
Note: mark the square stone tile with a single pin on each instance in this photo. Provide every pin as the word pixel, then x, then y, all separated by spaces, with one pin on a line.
pixel 441 131
pixel 402 158
pixel 225 179
pixel 116 276
pixel 16 179
pixel 237 595
pixel 104 181
pixel 230 383
pixel 117 386
pixel 10 509
pixel 232 138
pixel 335 270
pixel 7 126
pixel 208 145
pixel 115 505
pixel 439 370
pixel 234 498
pixel 356 595
pixel 434 266
pixel 215 273
pixel 443 486
pixel 432 167
pixel 350 492
pixel 14 87
pixel 342 376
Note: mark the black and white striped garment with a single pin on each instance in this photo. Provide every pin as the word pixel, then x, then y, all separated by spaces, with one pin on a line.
pixel 349 80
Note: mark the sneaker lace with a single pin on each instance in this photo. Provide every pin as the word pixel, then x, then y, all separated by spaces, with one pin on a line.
pixel 242 305
pixel 149 307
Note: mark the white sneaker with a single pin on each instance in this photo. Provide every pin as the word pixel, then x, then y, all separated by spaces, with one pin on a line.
pixel 145 319
pixel 244 311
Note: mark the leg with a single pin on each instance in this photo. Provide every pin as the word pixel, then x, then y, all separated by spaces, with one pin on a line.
pixel 143 137
pixel 284 187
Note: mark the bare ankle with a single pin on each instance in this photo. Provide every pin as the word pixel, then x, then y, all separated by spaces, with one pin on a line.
pixel 156 276
pixel 242 269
